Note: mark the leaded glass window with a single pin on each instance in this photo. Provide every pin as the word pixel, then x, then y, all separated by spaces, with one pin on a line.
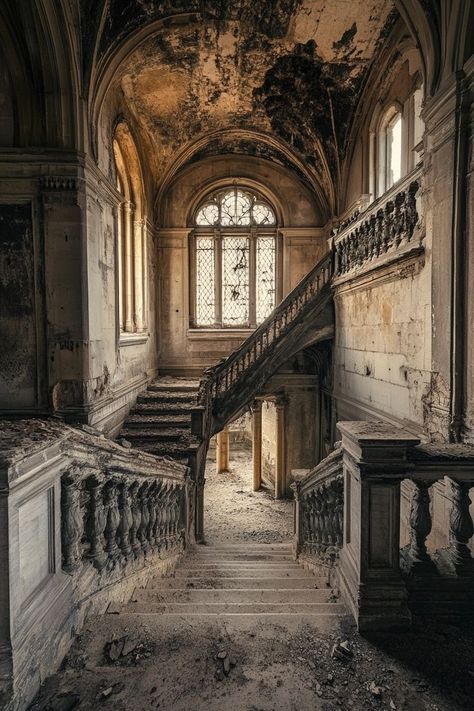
pixel 234 260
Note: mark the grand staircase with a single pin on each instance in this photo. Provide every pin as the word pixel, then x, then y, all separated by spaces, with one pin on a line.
pixel 160 422
pixel 240 579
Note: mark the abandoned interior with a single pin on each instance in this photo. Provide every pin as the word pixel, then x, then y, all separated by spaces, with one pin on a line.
pixel 236 373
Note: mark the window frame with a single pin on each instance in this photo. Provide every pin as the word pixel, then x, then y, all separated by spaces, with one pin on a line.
pixel 218 233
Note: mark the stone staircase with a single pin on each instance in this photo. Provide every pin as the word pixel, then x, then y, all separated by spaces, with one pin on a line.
pixel 241 579
pixel 160 422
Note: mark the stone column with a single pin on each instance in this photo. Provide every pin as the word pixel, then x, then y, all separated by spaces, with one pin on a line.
pixel 222 451
pixel 257 444
pixel 138 273
pixel 280 474
pixel 375 461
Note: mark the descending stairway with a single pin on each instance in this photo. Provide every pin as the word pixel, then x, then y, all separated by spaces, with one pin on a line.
pixel 160 422
pixel 246 579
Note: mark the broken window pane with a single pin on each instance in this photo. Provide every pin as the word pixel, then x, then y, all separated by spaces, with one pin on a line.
pixel 205 282
pixel 235 208
pixel 265 277
pixel 235 281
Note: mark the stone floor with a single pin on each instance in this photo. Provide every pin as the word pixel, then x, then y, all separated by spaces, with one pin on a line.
pixel 140 660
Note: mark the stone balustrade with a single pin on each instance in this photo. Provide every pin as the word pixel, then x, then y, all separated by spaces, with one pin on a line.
pixel 359 524
pixel 386 227
pixel 87 521
pixel 110 520
pixel 319 509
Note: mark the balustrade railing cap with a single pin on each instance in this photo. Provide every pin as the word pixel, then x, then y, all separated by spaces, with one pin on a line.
pixel 376 435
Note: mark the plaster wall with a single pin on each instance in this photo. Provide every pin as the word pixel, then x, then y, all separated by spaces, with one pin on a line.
pixel 382 358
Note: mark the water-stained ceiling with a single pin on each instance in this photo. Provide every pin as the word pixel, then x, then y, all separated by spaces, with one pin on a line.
pixel 289 69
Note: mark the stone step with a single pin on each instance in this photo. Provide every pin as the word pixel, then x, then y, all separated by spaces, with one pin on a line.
pixel 234 596
pixel 175 385
pixel 161 421
pixel 175 450
pixel 155 434
pixel 269 608
pixel 238 583
pixel 166 396
pixel 239 566
pixel 237 557
pixel 158 408
pixel 256 573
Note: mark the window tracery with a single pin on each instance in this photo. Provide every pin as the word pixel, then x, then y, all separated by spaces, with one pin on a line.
pixel 233 260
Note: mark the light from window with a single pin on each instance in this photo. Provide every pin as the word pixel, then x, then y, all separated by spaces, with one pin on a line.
pixel 205 284
pixel 235 281
pixel 394 150
pixel 235 260
pixel 265 277
pixel 235 207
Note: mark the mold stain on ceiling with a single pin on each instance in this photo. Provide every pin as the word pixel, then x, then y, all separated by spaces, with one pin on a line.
pixel 292 69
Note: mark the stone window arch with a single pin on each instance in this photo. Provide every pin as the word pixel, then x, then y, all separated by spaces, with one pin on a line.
pixel 233 259
pixel 131 257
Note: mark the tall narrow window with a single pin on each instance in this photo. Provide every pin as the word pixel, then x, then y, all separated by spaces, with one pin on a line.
pixel 131 254
pixel 234 260
pixel 393 147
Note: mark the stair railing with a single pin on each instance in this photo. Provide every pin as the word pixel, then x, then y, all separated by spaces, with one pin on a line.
pixel 319 509
pixel 220 378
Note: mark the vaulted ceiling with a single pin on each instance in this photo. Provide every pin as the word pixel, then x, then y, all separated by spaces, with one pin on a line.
pixel 226 76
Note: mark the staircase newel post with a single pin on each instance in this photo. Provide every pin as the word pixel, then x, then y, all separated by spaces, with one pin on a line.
pixel 375 460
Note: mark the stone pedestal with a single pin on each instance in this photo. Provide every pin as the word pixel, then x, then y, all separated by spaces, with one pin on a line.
pixel 375 461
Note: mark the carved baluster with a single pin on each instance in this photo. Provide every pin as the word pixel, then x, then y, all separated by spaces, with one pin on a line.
pixel 339 511
pixel 461 527
pixel 143 528
pixel 379 232
pixel 95 524
pixel 398 219
pixel 113 518
pixel 126 519
pixel 410 210
pixel 136 519
pixel 159 515
pixel 151 515
pixel 387 224
pixel 72 522
pixel 420 523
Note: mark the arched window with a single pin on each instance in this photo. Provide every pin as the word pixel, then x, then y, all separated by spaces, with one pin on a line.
pixel 390 155
pixel 234 265
pixel 131 229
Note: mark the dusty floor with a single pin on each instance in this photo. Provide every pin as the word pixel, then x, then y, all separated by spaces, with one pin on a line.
pixel 233 512
pixel 277 664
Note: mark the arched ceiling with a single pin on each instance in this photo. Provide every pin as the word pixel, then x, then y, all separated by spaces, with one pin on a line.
pixel 291 70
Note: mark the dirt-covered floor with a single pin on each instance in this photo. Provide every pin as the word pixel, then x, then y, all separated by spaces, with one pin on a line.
pixel 283 664
pixel 233 512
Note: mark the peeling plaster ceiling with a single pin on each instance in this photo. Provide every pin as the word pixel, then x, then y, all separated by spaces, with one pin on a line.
pixel 292 69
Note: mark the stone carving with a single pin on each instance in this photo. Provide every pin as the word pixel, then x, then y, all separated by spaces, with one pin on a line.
pixel 461 527
pixel 378 233
pixel 72 522
pixel 322 517
pixel 125 519
pixel 420 523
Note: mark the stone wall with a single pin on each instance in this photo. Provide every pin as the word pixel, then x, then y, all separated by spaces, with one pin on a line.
pixel 382 358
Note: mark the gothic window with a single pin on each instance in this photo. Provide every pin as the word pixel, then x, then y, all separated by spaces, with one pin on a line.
pixel 131 235
pixel 233 253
